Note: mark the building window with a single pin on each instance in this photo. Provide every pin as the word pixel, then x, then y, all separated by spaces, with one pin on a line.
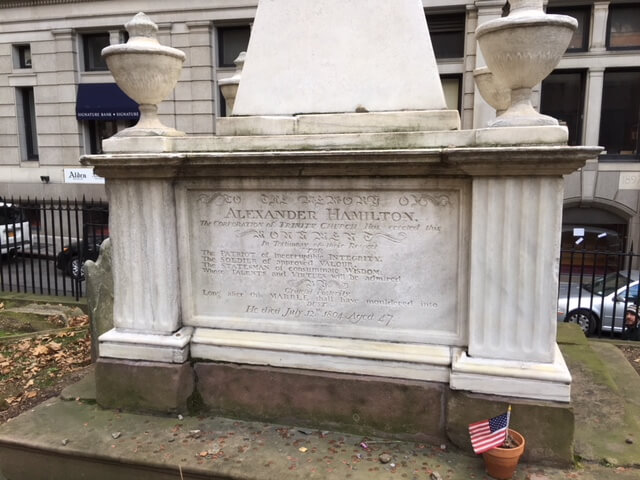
pixel 92 45
pixel 619 121
pixel 98 131
pixel 562 97
pixel 452 88
pixel 27 123
pixel 623 30
pixel 580 40
pixel 447 34
pixel 231 41
pixel 22 56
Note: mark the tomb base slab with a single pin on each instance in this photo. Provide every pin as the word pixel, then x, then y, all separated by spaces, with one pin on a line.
pixel 144 386
pixel 356 403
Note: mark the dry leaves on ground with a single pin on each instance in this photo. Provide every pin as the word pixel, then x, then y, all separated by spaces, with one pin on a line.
pixel 35 368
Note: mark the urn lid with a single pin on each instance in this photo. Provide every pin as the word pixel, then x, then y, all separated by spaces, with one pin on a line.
pixel 142 39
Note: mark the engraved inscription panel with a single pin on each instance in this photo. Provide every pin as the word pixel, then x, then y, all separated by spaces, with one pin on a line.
pixel 365 264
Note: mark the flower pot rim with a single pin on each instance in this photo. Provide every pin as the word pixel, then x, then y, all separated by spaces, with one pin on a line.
pixel 509 452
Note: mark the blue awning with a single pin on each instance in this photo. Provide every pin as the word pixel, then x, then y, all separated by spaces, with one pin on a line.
pixel 105 102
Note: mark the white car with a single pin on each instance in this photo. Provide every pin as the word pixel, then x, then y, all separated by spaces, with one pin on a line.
pixel 600 302
pixel 14 229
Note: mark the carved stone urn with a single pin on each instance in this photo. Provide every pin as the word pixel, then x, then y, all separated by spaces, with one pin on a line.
pixel 147 72
pixel 229 86
pixel 494 93
pixel 521 49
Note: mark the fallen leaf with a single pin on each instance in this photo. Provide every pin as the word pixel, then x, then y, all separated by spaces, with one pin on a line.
pixel 55 346
pixel 32 394
pixel 40 350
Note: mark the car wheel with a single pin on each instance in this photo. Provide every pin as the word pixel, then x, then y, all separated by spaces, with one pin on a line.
pixel 585 319
pixel 75 269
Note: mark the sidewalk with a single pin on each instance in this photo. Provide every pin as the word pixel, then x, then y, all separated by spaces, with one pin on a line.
pixel 73 438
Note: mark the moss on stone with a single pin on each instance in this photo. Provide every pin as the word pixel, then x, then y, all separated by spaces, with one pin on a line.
pixel 570 334
pixel 583 356
pixel 195 404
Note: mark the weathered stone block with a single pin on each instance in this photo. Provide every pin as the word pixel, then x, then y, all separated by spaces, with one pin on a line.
pixel 100 295
pixel 548 427
pixel 143 386
pixel 367 405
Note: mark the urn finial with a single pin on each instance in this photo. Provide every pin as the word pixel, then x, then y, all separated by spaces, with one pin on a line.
pixel 141 26
pixel 521 49
pixel 147 72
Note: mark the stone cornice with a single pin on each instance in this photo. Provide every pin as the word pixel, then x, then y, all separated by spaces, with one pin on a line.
pixel 473 162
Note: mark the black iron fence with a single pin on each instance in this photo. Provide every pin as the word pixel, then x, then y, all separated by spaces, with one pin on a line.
pixel 44 243
pixel 596 288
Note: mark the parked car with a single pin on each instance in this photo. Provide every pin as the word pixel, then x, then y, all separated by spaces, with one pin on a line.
pixel 72 257
pixel 600 302
pixel 15 231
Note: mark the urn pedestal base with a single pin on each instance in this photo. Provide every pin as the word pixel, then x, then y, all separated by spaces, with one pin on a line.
pixel 534 380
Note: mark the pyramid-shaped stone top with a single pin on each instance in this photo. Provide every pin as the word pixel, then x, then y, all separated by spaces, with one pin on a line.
pixel 338 56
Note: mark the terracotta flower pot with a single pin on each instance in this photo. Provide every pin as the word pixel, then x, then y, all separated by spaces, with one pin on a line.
pixel 501 462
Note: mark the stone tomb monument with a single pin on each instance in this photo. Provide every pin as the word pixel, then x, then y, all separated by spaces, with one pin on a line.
pixel 340 253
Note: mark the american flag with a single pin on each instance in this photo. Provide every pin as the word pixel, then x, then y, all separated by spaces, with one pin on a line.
pixel 489 434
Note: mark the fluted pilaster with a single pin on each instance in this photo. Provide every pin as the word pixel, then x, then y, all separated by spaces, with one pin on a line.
pixel 514 268
pixel 143 230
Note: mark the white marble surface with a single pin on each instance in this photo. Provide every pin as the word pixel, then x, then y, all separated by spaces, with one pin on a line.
pixel 332 258
pixel 396 360
pixel 142 228
pixel 407 121
pixel 339 56
pixel 173 348
pixel 275 134
pixel 513 378
pixel 515 248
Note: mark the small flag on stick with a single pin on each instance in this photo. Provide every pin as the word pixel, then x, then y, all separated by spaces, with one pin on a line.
pixel 489 434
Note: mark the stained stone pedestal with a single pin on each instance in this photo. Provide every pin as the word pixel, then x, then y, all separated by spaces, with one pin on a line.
pixel 396 262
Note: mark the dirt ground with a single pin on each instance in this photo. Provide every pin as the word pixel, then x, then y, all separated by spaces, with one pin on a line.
pixel 632 352
pixel 36 367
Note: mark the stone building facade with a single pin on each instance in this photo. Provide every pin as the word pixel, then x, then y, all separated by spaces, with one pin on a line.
pixel 57 100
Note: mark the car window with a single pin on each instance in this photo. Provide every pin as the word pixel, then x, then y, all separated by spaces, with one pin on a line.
pixel 606 285
pixel 631 293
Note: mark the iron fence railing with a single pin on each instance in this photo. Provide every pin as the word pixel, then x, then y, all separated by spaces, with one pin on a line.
pixel 596 288
pixel 43 244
